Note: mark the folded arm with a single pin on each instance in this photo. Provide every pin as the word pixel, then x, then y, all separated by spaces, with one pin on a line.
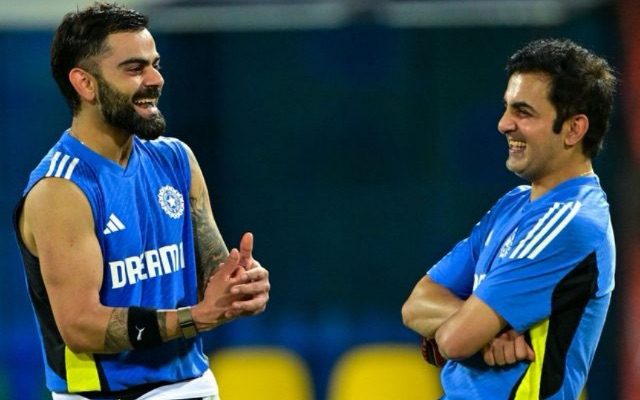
pixel 469 329
pixel 429 305
pixel 461 328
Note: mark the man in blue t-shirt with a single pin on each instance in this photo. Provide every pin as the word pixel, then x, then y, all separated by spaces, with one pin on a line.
pixel 517 308
pixel 124 262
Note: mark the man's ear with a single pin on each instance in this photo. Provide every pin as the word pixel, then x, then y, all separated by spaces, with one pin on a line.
pixel 84 84
pixel 578 126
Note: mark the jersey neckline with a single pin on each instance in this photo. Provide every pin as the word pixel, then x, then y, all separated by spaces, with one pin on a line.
pixel 98 160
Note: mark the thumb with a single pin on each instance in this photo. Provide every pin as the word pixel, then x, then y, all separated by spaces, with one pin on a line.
pixel 531 356
pixel 246 250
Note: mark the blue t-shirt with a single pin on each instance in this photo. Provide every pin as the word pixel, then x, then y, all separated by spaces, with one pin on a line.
pixel 143 225
pixel 547 267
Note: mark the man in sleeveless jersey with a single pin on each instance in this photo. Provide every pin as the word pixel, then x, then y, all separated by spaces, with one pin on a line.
pixel 517 308
pixel 124 262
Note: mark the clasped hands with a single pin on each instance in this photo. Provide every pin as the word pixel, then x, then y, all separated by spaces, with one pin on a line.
pixel 239 287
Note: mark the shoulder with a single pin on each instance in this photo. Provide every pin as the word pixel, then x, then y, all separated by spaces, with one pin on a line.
pixel 569 225
pixel 586 203
pixel 57 202
pixel 167 149
pixel 162 144
pixel 513 198
pixel 62 162
pixel 522 191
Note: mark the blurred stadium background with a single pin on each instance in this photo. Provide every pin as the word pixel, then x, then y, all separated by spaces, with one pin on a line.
pixel 356 139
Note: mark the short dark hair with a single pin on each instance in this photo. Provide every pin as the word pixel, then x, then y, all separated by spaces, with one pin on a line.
pixel 581 83
pixel 81 36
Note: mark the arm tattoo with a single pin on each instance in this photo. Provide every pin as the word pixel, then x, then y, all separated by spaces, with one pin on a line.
pixel 117 337
pixel 162 325
pixel 209 245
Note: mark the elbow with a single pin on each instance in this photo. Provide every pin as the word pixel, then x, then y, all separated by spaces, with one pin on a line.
pixel 409 314
pixel 452 345
pixel 80 338
pixel 78 343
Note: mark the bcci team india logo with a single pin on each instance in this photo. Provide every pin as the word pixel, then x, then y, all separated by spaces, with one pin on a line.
pixel 171 201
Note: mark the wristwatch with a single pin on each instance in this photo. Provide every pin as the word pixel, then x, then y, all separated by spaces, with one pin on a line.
pixel 186 322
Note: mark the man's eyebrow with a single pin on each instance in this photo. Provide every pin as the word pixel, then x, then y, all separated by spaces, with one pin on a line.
pixel 521 106
pixel 138 60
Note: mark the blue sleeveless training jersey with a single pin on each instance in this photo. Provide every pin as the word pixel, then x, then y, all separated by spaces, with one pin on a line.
pixel 143 225
pixel 547 267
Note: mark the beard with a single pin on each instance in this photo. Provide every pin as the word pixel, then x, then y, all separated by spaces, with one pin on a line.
pixel 118 110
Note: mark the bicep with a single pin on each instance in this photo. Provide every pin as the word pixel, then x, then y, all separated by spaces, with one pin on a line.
pixel 60 220
pixel 455 271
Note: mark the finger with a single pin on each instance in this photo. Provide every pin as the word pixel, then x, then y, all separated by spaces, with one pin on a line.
pixel 238 277
pixel 231 263
pixel 255 304
pixel 246 250
pixel 258 273
pixel 487 354
pixel 251 288
pixel 227 268
pixel 521 348
pixel 531 355
pixel 231 314
pixel 498 355
pixel 509 352
pixel 234 256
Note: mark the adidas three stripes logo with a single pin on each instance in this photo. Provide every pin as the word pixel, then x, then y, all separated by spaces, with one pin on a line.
pixel 546 229
pixel 61 168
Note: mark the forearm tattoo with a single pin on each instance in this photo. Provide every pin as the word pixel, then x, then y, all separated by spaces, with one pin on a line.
pixel 117 337
pixel 209 245
pixel 162 325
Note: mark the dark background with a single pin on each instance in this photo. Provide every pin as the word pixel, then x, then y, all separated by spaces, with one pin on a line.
pixel 357 155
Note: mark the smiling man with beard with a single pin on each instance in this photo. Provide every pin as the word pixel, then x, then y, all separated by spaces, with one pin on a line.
pixel 124 262
pixel 118 111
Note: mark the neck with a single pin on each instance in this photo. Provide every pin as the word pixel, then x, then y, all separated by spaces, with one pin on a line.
pixel 540 186
pixel 102 138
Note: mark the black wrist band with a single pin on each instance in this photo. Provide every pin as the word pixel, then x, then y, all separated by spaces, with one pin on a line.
pixel 142 327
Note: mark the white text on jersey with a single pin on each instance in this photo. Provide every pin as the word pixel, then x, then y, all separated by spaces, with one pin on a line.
pixel 150 264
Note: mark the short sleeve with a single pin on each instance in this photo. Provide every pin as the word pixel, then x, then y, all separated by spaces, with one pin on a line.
pixel 551 263
pixel 455 270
